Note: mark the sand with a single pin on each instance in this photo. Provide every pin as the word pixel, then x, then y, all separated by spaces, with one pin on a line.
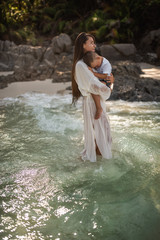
pixel 16 89
pixel 150 71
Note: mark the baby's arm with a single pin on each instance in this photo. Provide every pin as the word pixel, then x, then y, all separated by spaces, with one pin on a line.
pixel 99 75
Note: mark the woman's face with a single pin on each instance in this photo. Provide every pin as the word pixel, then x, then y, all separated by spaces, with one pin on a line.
pixel 89 45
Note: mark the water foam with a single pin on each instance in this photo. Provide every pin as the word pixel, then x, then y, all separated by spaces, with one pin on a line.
pixel 54 113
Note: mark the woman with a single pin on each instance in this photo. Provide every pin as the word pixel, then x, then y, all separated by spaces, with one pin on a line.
pixel 97 134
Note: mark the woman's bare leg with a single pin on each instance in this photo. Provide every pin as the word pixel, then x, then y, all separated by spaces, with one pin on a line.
pixel 97 150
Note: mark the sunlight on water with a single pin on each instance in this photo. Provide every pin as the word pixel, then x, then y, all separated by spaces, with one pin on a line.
pixel 47 192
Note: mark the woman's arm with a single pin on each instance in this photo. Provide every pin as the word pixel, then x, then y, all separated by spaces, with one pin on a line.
pixel 89 83
pixel 105 76
pixel 100 75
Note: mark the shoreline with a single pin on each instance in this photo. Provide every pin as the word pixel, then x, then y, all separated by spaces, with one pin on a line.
pixel 15 89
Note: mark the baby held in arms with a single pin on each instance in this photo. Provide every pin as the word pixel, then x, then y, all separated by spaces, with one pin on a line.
pixel 101 68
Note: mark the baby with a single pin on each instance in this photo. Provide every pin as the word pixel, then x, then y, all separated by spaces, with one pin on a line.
pixel 101 68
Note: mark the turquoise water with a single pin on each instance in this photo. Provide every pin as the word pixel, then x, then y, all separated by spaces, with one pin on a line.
pixel 47 192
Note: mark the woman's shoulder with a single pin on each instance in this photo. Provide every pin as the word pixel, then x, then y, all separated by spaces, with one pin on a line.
pixel 80 64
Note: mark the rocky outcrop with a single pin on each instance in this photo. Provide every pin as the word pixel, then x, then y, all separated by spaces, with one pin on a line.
pixel 31 63
pixel 129 85
pixel 55 61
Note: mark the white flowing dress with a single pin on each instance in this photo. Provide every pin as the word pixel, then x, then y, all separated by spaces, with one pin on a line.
pixel 95 131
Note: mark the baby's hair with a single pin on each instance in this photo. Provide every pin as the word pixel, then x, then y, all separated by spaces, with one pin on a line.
pixel 89 57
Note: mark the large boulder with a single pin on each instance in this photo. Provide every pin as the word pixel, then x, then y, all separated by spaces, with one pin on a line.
pixel 109 52
pixel 151 40
pixel 61 43
pixel 118 51
pixel 125 49
pixel 151 43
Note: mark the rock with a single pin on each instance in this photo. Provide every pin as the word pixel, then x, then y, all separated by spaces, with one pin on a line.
pixel 30 62
pixel 39 63
pixel 50 56
pixel 125 49
pixel 61 43
pixel 39 52
pixel 48 63
pixel 126 68
pixel 25 49
pixel 152 57
pixel 130 86
pixel 63 68
pixel 3 82
pixel 7 45
pixel 4 67
pixel 1 45
pixel 25 61
pixel 118 51
pixel 124 87
pixel 151 41
pixel 109 52
pixel 8 58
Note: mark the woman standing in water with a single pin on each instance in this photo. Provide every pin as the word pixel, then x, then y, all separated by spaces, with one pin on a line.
pixel 97 134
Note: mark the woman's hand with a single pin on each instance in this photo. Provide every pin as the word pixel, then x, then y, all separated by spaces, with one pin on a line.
pixel 110 79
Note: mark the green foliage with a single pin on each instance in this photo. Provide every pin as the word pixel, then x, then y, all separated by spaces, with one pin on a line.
pixel 16 36
pixel 59 14
pixel 3 29
pixel 47 28
pixel 101 32
pixel 110 21
pixel 93 22
pixel 50 11
pixel 61 26
pixel 33 18
pixel 25 35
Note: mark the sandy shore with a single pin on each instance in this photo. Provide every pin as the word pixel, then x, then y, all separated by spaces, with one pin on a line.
pixel 18 88
pixel 150 71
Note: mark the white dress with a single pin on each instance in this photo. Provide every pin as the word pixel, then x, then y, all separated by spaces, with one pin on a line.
pixel 95 131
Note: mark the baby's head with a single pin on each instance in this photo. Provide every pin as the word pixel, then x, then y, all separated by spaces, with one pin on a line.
pixel 92 59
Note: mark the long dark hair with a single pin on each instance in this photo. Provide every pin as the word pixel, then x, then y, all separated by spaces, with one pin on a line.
pixel 78 54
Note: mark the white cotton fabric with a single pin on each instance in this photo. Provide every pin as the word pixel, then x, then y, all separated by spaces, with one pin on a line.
pixel 95 131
